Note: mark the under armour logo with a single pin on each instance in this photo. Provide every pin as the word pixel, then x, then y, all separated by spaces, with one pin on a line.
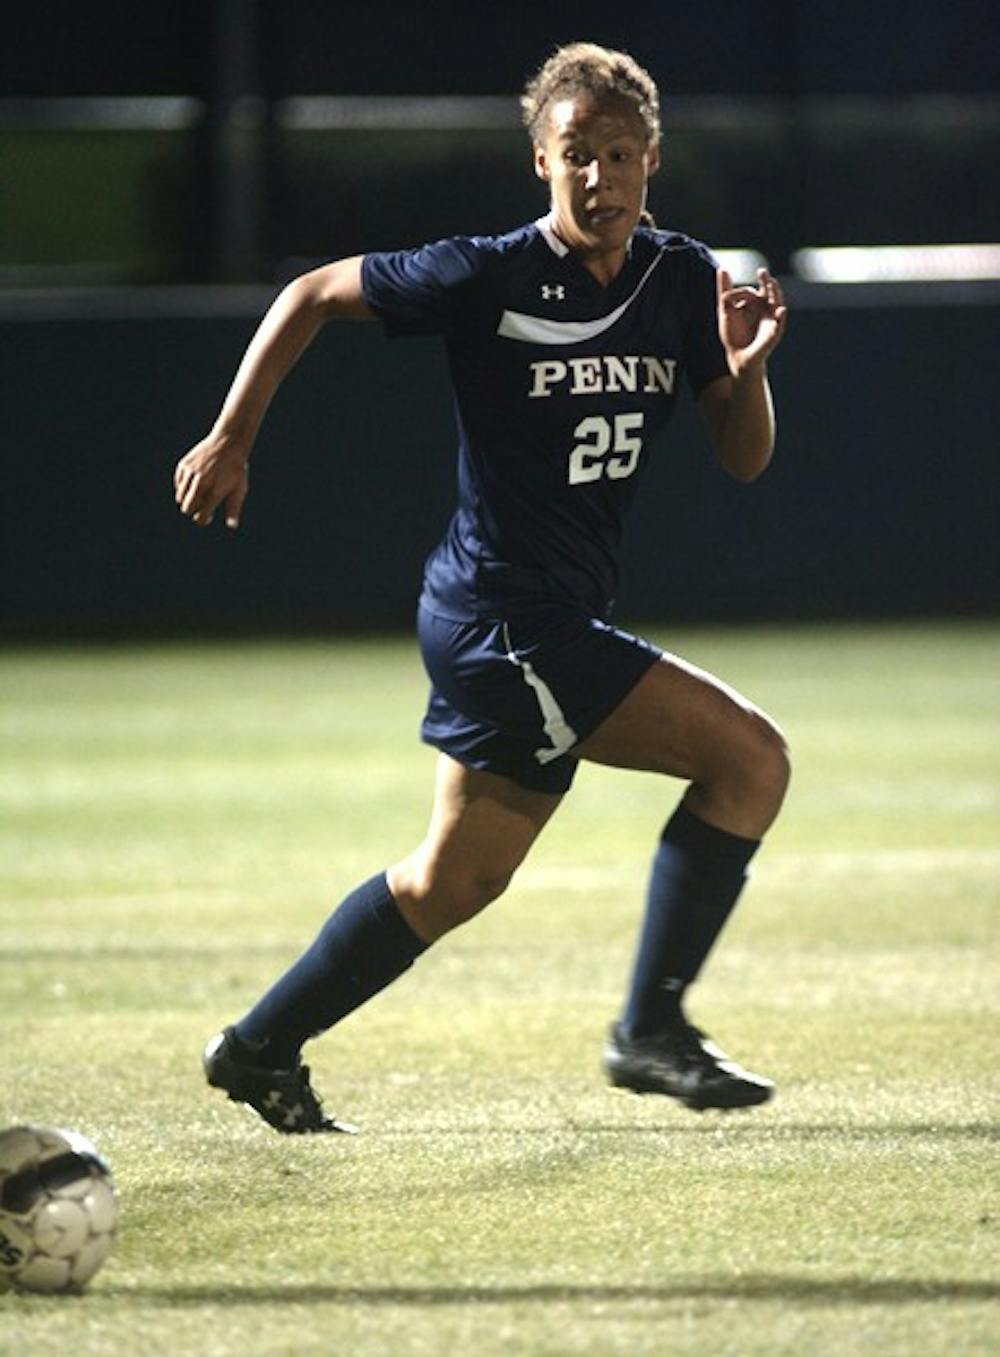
pixel 275 1102
pixel 553 292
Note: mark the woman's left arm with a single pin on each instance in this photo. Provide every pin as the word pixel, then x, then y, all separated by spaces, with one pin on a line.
pixel 738 409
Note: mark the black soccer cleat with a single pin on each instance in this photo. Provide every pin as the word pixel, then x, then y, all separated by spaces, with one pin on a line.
pixel 284 1098
pixel 682 1063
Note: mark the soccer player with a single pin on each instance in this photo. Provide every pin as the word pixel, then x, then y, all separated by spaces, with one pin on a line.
pixel 566 339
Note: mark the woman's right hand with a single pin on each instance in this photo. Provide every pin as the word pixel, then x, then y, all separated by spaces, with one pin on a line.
pixel 215 472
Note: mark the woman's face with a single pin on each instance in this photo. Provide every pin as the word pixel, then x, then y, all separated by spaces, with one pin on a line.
pixel 596 159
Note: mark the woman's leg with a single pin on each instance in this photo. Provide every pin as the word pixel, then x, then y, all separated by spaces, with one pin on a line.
pixel 680 721
pixel 481 828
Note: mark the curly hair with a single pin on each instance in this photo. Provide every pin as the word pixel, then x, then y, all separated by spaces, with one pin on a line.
pixel 601 72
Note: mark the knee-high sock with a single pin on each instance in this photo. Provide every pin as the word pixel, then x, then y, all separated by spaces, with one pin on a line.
pixel 696 878
pixel 363 946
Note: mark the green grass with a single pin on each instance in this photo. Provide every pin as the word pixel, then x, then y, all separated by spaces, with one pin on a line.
pixel 175 822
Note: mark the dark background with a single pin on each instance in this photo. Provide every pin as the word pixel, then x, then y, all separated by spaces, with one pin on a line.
pixel 739 47
pixel 124 230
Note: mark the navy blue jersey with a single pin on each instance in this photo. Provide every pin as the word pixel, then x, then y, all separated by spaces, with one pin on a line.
pixel 560 385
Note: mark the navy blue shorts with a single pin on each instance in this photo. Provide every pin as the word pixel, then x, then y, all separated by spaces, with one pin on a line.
pixel 513 696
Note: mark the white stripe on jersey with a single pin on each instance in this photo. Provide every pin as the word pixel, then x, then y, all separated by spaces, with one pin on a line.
pixel 538 330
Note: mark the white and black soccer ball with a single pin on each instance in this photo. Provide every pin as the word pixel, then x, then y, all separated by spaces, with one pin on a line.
pixel 58 1209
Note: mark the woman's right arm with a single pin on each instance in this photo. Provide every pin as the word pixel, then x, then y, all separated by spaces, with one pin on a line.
pixel 214 472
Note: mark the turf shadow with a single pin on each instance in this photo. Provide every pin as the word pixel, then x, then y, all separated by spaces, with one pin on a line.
pixel 783 1288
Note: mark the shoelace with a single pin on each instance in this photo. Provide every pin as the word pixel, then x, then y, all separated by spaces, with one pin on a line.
pixel 687 1041
pixel 304 1091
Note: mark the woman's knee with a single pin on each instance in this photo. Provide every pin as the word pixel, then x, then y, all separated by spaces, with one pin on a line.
pixel 468 888
pixel 440 895
pixel 767 759
pixel 745 787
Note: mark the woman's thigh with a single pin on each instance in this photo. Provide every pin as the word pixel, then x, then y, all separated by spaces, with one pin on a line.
pixel 681 721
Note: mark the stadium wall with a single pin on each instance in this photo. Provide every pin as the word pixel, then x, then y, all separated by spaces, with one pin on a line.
pixel 884 498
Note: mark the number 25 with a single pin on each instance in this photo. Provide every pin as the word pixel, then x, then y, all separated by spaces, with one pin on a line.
pixel 589 460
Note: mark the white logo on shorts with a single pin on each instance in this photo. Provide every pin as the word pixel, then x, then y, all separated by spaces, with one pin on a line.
pixel 554 723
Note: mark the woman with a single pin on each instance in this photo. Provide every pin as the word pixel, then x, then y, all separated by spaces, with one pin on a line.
pixel 566 339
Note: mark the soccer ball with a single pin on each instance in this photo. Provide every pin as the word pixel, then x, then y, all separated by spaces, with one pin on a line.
pixel 58 1209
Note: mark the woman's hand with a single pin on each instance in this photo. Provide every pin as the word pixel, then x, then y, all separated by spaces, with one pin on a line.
pixel 213 473
pixel 751 320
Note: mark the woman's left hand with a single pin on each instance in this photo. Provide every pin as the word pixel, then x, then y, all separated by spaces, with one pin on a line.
pixel 751 319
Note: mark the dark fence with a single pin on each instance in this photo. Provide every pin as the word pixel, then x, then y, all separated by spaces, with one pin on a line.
pixel 157 192
pixel 884 498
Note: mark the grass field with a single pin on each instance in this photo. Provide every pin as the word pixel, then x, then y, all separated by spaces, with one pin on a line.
pixel 177 821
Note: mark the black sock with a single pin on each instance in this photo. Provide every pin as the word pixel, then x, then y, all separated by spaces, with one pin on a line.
pixel 363 946
pixel 697 875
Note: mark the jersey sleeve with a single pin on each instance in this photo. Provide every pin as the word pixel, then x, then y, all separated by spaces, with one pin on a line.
pixel 430 290
pixel 704 357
